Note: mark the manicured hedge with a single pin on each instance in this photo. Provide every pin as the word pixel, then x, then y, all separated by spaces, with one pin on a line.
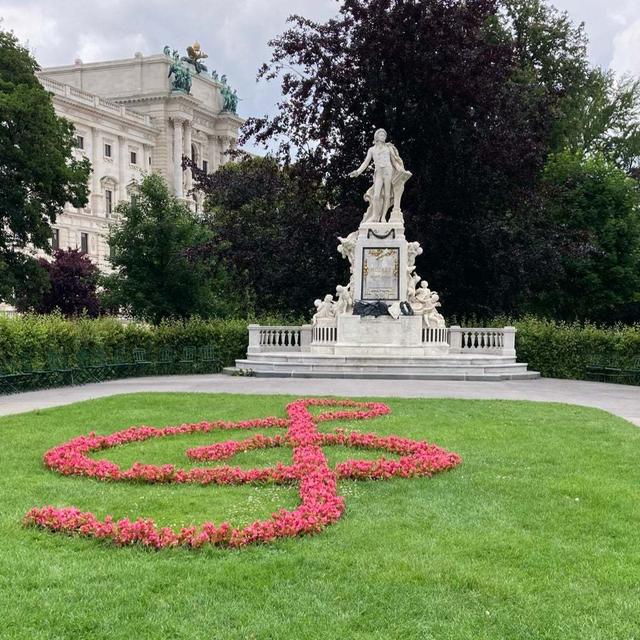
pixel 557 350
pixel 31 338
pixel 563 350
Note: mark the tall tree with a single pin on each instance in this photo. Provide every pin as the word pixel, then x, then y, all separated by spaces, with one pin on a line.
pixel 273 229
pixel 592 197
pixel 73 283
pixel 473 94
pixel 37 171
pixel 158 272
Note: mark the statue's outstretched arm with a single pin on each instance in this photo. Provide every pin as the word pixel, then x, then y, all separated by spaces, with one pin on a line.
pixel 363 166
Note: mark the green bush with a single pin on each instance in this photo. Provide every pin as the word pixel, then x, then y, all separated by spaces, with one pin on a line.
pixel 565 350
pixel 555 349
pixel 29 339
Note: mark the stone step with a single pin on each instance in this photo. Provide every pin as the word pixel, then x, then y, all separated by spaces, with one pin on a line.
pixel 385 375
pixel 373 365
pixel 449 360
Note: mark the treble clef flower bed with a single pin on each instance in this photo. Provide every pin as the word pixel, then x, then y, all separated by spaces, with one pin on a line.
pixel 320 503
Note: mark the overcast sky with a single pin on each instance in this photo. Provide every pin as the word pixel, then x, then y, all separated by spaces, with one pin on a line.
pixel 235 33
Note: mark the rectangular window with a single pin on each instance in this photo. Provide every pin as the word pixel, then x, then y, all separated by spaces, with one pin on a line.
pixel 112 251
pixel 108 201
pixel 79 142
pixel 205 166
pixel 55 239
pixel 134 157
pixel 149 160
pixel 107 150
pixel 84 242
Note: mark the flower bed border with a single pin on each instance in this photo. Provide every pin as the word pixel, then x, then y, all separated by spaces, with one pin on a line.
pixel 320 505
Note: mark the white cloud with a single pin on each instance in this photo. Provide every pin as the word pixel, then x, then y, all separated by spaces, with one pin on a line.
pixel 235 34
pixel 31 26
pixel 626 49
pixel 94 47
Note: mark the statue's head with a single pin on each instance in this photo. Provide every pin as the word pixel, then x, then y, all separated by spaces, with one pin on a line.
pixel 380 135
pixel 424 284
pixel 196 46
pixel 328 298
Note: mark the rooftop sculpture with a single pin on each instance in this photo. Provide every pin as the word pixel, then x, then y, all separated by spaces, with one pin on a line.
pixel 180 72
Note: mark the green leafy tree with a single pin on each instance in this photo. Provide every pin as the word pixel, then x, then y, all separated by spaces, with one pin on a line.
pixel 589 197
pixel 159 272
pixel 273 229
pixel 37 171
pixel 472 94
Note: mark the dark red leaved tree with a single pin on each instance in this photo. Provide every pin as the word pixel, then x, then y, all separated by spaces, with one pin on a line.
pixel 73 279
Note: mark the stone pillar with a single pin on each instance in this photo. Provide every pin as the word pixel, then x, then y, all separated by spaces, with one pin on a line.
pixel 226 144
pixel 95 179
pixel 455 339
pixel 509 344
pixel 95 183
pixel 177 157
pixel 123 163
pixel 146 166
pixel 254 338
pixel 306 335
pixel 213 153
pixel 187 152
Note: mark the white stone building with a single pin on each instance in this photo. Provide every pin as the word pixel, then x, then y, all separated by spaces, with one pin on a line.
pixel 129 122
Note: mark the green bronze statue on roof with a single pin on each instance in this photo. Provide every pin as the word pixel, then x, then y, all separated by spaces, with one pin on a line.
pixel 229 96
pixel 181 80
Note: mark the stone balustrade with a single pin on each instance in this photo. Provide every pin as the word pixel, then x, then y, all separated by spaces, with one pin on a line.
pixel 497 341
pixel 432 335
pixel 279 338
pixel 93 101
pixel 464 340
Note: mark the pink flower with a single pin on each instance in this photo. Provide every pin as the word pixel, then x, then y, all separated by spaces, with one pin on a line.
pixel 320 504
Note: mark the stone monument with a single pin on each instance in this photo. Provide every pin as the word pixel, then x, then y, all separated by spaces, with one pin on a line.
pixel 386 307
pixel 385 322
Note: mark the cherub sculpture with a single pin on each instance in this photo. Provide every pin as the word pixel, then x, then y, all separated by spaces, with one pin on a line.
pixel 325 308
pixel 344 303
pixel 425 302
pixel 347 247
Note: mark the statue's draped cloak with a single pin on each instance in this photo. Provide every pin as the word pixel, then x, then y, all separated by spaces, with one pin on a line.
pixel 399 176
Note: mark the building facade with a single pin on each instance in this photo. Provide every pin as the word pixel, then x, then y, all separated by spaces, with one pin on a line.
pixel 129 121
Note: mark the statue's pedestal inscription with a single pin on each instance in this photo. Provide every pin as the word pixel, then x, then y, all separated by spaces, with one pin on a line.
pixel 380 273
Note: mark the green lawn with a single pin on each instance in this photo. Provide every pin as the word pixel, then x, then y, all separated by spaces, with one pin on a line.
pixel 535 535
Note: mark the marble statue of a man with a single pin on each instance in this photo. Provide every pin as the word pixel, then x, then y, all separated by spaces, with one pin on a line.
pixel 388 179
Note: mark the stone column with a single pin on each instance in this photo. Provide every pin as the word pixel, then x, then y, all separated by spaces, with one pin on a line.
pixel 145 158
pixel 226 144
pixel 455 339
pixel 95 180
pixel 177 157
pixel 509 345
pixel 187 152
pixel 213 153
pixel 123 162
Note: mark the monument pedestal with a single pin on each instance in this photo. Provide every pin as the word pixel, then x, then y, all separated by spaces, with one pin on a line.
pixel 380 271
pixel 382 336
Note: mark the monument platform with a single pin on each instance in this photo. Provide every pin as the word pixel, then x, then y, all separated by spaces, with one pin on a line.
pixel 447 354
